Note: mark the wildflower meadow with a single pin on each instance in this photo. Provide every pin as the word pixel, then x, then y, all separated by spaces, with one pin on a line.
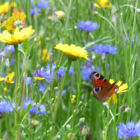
pixel 69 70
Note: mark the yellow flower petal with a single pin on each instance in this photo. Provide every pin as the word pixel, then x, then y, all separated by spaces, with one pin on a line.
pixel 18 36
pixel 122 88
pixel 39 78
pixel 72 51
pixel 12 21
pixel 103 3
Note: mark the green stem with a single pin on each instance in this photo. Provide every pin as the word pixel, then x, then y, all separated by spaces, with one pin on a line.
pixel 106 131
pixel 16 96
pixel 59 96
pixel 78 89
pixel 24 84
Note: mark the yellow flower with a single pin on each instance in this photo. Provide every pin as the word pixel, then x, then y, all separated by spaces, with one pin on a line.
pixel 45 57
pixel 39 78
pixel 1 79
pixel 18 36
pixel 5 89
pixel 73 98
pixel 122 88
pixel 4 8
pixel 72 51
pixel 103 3
pixel 9 79
pixel 60 15
pixel 15 20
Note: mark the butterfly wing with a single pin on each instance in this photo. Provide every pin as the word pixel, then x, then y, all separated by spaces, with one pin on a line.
pixel 98 80
pixel 102 88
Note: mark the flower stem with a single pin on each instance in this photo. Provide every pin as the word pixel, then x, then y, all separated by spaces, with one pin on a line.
pixel 106 131
pixel 59 96
pixel 16 96
pixel 24 84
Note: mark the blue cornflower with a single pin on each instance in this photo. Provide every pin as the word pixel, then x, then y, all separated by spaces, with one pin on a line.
pixel 26 103
pixel 43 73
pixel 33 12
pixel 29 80
pixel 88 26
pixel 128 130
pixel 43 4
pixel 60 72
pixel 13 61
pixel 42 110
pixel 6 106
pixel 33 110
pixel 43 87
pixel 86 70
pixel 106 49
pixel 9 48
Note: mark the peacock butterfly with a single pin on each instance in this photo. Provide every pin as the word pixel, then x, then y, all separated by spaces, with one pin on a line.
pixel 102 89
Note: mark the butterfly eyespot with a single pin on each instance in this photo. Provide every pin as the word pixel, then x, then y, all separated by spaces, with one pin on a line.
pixel 97 89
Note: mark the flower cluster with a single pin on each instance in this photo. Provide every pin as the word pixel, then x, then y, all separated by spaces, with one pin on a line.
pixel 88 26
pixel 42 4
pixel 129 130
pixel 35 109
pixel 103 49
pixel 6 106
pixel 86 70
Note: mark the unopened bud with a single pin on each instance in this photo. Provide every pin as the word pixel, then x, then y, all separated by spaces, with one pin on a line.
pixel 127 109
pixel 35 123
pixel 56 97
pixel 55 88
pixel 38 65
pixel 138 10
pixel 5 89
pixel 82 120
pixel 52 99
pixel 60 15
pixel 68 126
pixel 71 136
pixel 122 108
pixel 52 104
pixel 6 136
pixel 84 131
pixel 80 102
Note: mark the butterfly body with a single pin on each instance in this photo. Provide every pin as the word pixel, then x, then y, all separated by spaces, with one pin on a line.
pixel 102 89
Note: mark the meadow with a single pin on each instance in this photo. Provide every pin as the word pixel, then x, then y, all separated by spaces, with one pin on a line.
pixel 48 50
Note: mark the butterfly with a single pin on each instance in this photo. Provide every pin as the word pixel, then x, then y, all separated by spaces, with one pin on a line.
pixel 102 89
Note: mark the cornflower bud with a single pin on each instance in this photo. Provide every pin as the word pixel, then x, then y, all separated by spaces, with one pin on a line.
pixel 60 15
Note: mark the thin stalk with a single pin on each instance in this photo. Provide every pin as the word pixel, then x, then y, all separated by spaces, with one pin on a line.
pixel 24 84
pixel 59 96
pixel 78 89
pixel 106 131
pixel 16 96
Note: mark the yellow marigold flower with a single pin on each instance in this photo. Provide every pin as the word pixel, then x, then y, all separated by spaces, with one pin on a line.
pixel 45 57
pixel 4 8
pixel 9 79
pixel 72 51
pixel 5 89
pixel 103 3
pixel 122 88
pixel 15 21
pixel 73 98
pixel 60 15
pixel 18 36
pixel 1 79
pixel 39 78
